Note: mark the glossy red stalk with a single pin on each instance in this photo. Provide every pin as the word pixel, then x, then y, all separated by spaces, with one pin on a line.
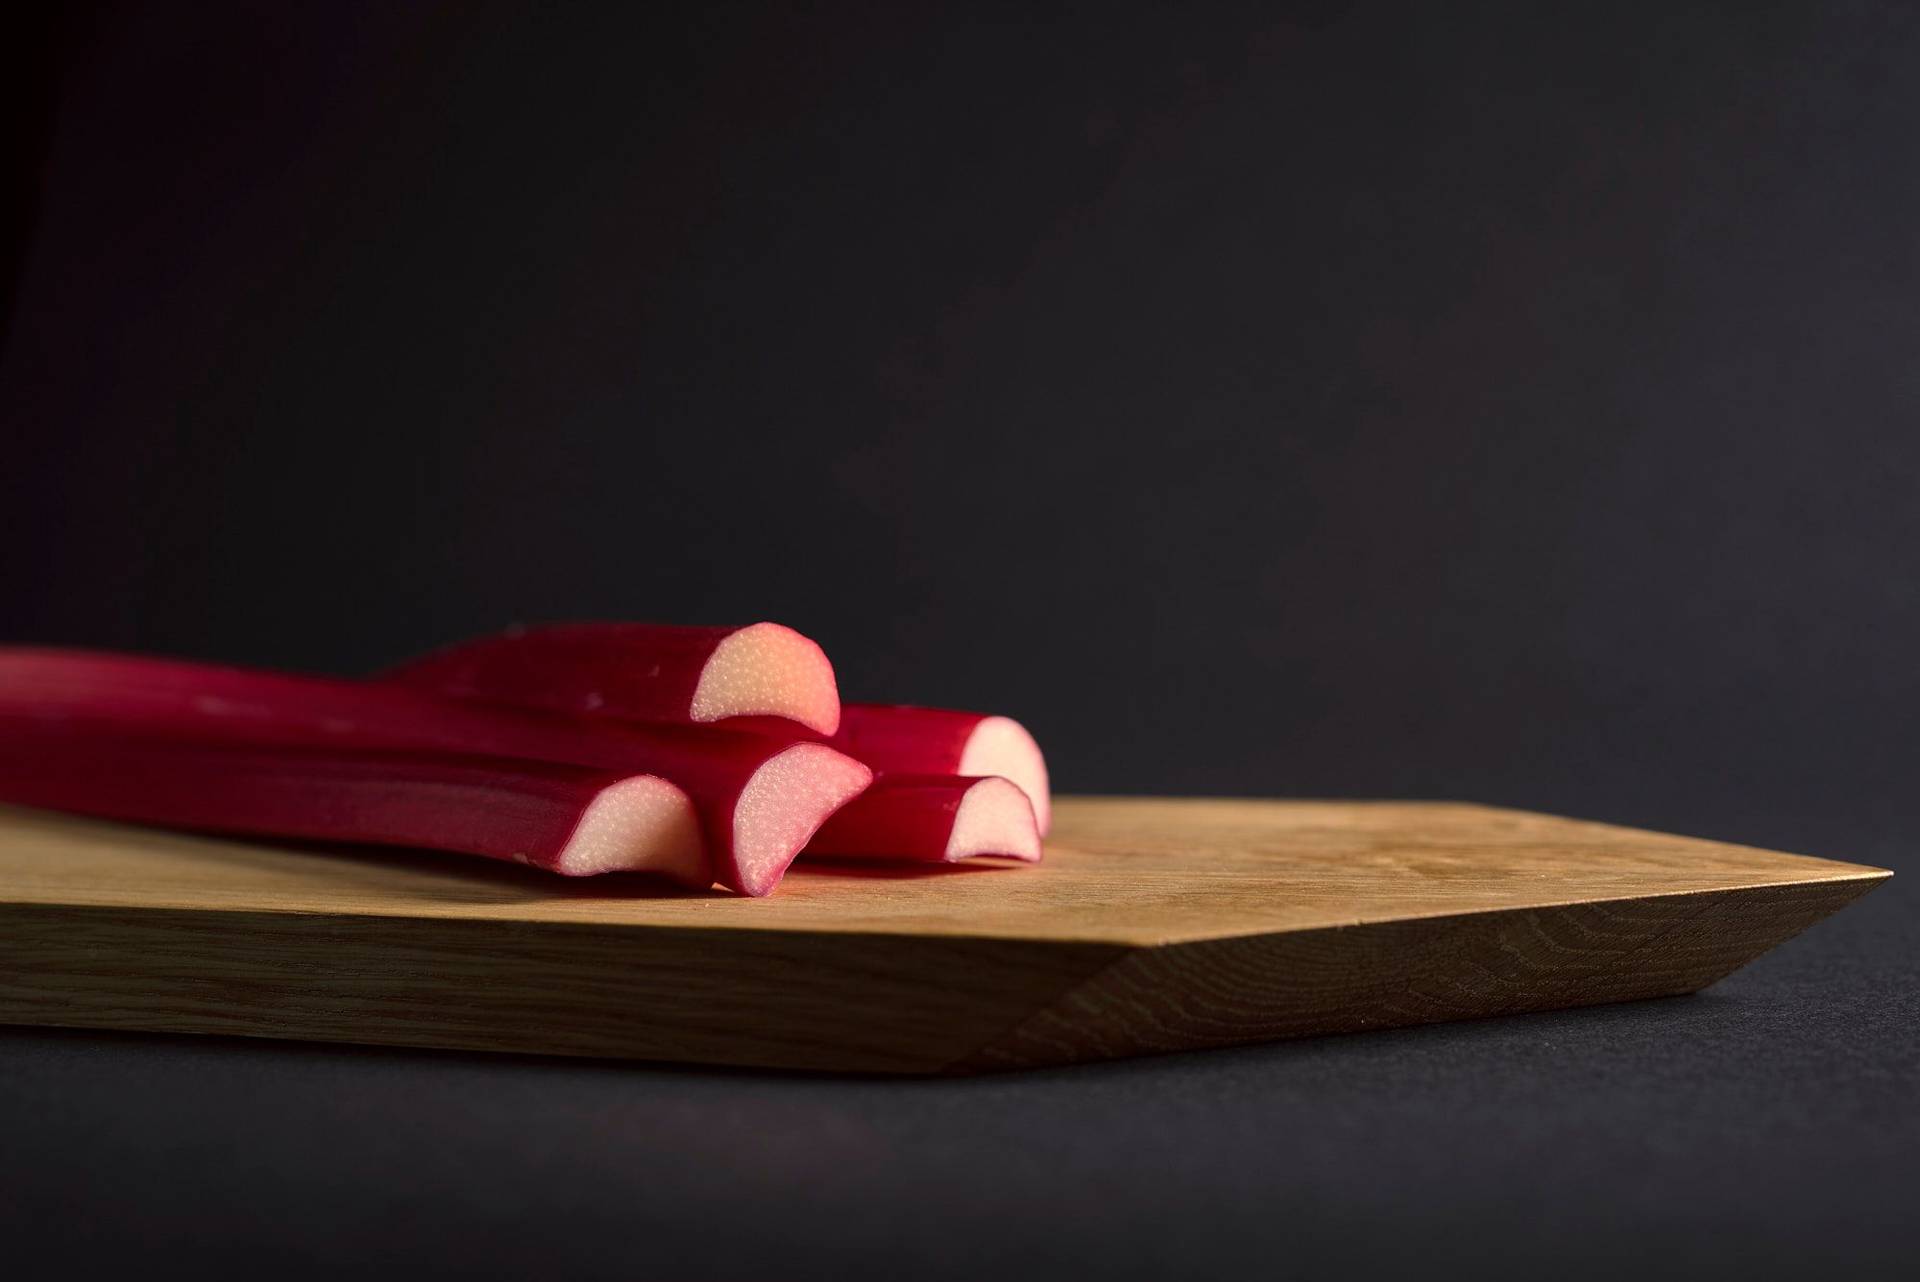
pixel 571 820
pixel 931 819
pixel 758 799
pixel 641 672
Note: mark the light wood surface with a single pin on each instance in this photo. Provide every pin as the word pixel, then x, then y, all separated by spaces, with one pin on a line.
pixel 1154 924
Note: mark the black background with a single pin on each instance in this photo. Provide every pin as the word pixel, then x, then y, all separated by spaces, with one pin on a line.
pixel 1507 402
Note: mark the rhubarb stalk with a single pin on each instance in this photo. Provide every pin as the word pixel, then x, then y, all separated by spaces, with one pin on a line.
pixel 758 799
pixel 931 819
pixel 641 672
pixel 571 820
pixel 900 739
pixel 636 672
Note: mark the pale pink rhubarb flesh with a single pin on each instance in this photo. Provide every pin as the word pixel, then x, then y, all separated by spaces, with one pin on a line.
pixel 641 672
pixel 758 800
pixel 768 670
pixel 638 824
pixel 995 818
pixel 784 805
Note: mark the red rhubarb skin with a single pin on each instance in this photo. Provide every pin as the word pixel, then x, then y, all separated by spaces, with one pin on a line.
pixel 628 671
pixel 904 817
pixel 897 738
pixel 893 738
pixel 521 811
pixel 138 695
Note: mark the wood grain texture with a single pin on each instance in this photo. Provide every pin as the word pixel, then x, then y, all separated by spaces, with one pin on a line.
pixel 1154 925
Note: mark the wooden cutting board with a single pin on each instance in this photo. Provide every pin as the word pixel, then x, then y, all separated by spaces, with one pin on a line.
pixel 1154 925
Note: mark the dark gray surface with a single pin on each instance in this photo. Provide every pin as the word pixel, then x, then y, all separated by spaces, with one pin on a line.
pixel 1512 402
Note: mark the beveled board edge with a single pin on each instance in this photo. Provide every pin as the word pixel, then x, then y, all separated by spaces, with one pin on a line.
pixel 1231 991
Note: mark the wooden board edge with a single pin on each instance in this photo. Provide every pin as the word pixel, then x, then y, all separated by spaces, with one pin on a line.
pixel 834 1002
pixel 1199 994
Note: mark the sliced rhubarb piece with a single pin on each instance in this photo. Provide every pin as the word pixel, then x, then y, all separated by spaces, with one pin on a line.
pixel 931 819
pixel 759 799
pixel 900 739
pixel 641 672
pixel 571 820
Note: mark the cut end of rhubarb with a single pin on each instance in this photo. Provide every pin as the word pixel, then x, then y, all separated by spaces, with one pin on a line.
pixel 642 824
pixel 1001 746
pixel 784 804
pixel 769 671
pixel 995 818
